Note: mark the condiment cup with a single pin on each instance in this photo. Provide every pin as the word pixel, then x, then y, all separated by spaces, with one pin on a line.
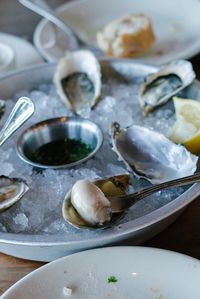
pixel 57 129
pixel 7 58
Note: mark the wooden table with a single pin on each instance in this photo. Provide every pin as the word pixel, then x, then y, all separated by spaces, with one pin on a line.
pixel 182 236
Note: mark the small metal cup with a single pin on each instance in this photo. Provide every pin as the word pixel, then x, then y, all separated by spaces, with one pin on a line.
pixel 57 129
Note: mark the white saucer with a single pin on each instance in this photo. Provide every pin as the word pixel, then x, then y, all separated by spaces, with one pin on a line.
pixel 25 53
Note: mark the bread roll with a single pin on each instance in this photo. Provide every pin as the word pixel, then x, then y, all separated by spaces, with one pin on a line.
pixel 127 37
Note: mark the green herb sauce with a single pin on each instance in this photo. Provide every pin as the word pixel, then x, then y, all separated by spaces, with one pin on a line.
pixel 112 279
pixel 61 152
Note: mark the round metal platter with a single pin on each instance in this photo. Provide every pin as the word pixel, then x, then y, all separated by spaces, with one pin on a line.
pixel 140 227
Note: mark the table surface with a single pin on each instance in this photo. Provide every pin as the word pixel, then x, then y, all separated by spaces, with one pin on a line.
pixel 182 236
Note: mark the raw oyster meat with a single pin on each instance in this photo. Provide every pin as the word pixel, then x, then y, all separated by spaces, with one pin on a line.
pixel 90 202
pixel 11 190
pixel 86 204
pixel 159 87
pixel 78 80
pixel 151 155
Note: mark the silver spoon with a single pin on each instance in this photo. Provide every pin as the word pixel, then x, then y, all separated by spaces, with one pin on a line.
pixel 21 112
pixel 120 204
pixel 43 9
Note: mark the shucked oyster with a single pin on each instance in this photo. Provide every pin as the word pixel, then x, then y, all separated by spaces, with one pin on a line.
pixel 90 202
pixel 11 190
pixel 159 87
pixel 151 155
pixel 78 80
pixel 86 204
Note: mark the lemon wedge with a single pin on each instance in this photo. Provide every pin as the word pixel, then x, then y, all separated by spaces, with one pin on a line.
pixel 186 129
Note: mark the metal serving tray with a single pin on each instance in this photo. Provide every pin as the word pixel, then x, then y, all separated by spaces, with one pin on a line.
pixel 44 247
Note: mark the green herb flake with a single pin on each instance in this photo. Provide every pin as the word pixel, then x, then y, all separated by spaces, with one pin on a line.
pixel 112 279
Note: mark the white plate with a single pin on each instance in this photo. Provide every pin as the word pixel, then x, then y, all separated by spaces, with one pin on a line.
pixel 25 53
pixel 176 24
pixel 141 273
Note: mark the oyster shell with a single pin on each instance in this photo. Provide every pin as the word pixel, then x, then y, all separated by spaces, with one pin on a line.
pixel 78 80
pixel 87 203
pixel 159 87
pixel 151 155
pixel 2 107
pixel 11 190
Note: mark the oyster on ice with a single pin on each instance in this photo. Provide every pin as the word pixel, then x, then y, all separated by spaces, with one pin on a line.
pixel 151 155
pixel 78 80
pixel 86 204
pixel 159 87
pixel 11 190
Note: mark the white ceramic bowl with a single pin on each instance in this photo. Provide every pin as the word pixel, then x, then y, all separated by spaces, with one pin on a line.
pixel 141 273
pixel 176 24
pixel 7 58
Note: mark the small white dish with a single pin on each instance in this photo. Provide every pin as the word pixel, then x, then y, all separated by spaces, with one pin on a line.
pixel 140 273
pixel 24 52
pixel 176 24
pixel 7 58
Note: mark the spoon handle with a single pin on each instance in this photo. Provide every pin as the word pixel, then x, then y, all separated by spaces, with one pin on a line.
pixel 22 110
pixel 121 203
pixel 42 8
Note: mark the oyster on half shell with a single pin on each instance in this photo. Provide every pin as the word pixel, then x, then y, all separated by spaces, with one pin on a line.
pixel 78 80
pixel 159 87
pixel 11 190
pixel 86 204
pixel 151 155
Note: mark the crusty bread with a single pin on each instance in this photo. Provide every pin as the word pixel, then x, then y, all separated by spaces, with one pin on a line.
pixel 127 37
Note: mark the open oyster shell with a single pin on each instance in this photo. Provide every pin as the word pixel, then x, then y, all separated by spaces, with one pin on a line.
pixel 111 186
pixel 11 190
pixel 159 87
pixel 78 80
pixel 151 155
